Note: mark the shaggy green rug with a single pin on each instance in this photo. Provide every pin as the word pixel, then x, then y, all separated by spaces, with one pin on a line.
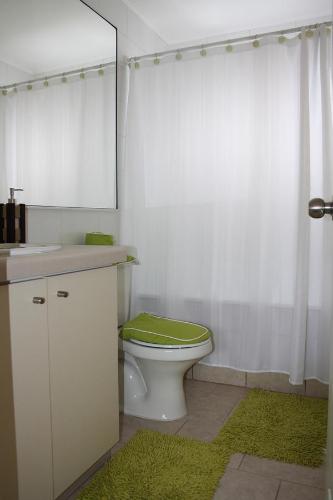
pixel 284 427
pixel 155 466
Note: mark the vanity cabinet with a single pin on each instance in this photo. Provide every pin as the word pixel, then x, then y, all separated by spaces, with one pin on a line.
pixel 25 418
pixel 58 380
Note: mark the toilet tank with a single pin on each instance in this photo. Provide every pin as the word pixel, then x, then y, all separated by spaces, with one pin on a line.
pixel 124 291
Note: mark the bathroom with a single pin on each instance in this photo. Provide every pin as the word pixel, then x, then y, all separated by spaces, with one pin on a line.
pixel 167 153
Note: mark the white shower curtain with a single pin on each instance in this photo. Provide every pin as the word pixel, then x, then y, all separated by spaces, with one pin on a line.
pixel 58 142
pixel 223 153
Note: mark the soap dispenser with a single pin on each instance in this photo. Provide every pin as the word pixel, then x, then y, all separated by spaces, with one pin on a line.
pixel 2 223
pixel 15 219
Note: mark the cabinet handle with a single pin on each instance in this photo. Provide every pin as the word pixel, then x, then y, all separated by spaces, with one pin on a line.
pixel 62 293
pixel 38 300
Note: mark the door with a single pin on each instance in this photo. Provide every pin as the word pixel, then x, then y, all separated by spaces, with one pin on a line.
pixel 83 370
pixel 330 429
pixel 317 209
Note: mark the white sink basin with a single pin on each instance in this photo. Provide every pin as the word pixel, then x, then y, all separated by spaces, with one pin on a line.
pixel 25 249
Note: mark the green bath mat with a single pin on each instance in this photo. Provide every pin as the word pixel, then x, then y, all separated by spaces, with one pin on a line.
pixel 155 466
pixel 284 427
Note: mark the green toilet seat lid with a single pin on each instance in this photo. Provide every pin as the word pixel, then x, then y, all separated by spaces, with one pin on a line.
pixel 164 331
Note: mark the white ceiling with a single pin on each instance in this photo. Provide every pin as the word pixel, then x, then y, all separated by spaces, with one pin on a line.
pixel 39 36
pixel 179 21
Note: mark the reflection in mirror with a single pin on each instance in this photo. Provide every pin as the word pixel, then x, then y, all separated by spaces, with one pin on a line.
pixel 57 104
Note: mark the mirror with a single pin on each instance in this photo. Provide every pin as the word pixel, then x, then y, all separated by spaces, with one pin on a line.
pixel 57 104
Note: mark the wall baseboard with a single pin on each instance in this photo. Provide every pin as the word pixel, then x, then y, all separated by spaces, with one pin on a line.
pixel 270 381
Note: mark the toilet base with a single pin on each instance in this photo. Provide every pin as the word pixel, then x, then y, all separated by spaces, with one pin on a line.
pixel 163 397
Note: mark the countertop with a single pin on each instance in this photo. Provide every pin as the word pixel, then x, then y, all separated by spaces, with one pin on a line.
pixel 67 259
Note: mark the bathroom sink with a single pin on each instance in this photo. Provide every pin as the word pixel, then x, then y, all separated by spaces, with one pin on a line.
pixel 25 249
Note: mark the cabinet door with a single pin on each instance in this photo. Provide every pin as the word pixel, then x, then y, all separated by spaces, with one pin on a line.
pixel 83 370
pixel 30 379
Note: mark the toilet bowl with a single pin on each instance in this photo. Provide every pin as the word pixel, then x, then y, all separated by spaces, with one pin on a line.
pixel 152 374
pixel 154 378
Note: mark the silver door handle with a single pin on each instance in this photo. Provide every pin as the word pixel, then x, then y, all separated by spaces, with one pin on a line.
pixel 318 208
pixel 62 293
pixel 38 300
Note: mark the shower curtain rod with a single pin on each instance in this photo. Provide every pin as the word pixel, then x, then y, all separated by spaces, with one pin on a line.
pixel 58 75
pixel 227 42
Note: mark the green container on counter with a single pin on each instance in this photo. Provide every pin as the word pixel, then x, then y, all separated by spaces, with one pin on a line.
pixel 98 239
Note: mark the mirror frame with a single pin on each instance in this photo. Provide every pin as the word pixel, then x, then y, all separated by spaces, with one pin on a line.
pixel 116 205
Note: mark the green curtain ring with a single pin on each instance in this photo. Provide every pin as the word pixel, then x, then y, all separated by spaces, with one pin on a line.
pixel 203 52
pixel 4 92
pixel 101 72
pixel 46 83
pixel 64 79
pixel 29 86
pixel 309 33
pixel 282 39
pixel 156 61
pixel 178 56
pixel 137 65
pixel 256 44
pixel 229 48
pixel 82 75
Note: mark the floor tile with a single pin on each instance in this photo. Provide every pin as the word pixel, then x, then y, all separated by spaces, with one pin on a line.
pixel 219 374
pixel 235 461
pixel 238 485
pixel 230 391
pixel 228 395
pixel 289 472
pixel 218 402
pixel 209 404
pixel 204 428
pixel 196 387
pixel 316 389
pixel 292 491
pixel 273 382
pixel 246 477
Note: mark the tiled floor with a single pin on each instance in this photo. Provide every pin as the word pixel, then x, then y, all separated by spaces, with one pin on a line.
pixel 247 477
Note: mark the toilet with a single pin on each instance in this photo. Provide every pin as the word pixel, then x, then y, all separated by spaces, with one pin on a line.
pixel 154 359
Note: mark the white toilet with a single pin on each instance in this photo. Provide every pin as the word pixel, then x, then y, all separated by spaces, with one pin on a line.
pixel 153 374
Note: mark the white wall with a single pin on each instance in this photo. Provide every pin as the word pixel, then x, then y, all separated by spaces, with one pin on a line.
pixel 134 36
pixel 9 74
pixel 68 226
pixel 191 22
